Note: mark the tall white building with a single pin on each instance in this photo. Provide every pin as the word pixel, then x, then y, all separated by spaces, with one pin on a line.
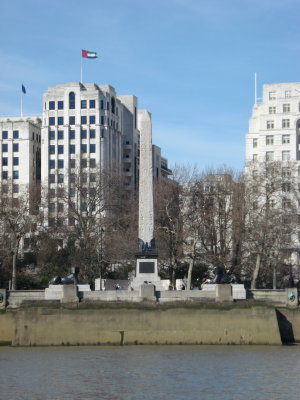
pixel 274 134
pixel 274 127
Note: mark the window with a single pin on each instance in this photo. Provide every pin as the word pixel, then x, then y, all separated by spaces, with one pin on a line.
pixel 83 119
pixel 16 134
pixel 72 120
pixel 51 135
pixel 60 178
pixel 83 163
pixel 287 94
pixel 286 187
pixel 51 164
pixel 51 121
pixel 51 105
pixel 51 207
pixel 4 174
pixel 83 134
pixel 71 100
pixel 92 163
pixel 272 110
pixel 15 147
pixel 254 157
pixel 285 139
pixel 102 104
pixel 113 105
pixel 102 120
pixel 72 148
pixel 15 188
pixel 60 105
pixel 4 161
pixel 286 155
pixel 60 120
pixel 60 149
pixel 72 134
pixel 270 124
pixel 286 172
pixel 83 180
pixel 15 160
pixel 92 177
pixel 92 119
pixel 107 106
pixel 60 135
pixel 269 140
pixel 83 104
pixel 92 133
pixel 60 163
pixel 51 149
pixel 60 207
pixel 272 95
pixel 92 148
pixel 15 174
pixel 285 123
pixel 4 147
pixel 269 155
pixel 102 133
pixel 286 108
pixel 4 134
pixel 83 148
pixel 72 192
pixel 72 163
pixel 92 103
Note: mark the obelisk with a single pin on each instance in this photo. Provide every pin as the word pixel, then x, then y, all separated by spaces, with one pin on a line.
pixel 146 266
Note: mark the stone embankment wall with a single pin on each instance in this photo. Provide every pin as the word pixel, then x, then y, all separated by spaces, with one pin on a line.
pixel 118 324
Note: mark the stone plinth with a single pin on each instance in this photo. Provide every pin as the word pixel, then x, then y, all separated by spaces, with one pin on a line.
pixel 70 294
pixel 223 293
pixel 238 290
pixel 147 292
pixel 292 297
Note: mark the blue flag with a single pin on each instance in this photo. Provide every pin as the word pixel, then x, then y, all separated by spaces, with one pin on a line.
pixel 23 89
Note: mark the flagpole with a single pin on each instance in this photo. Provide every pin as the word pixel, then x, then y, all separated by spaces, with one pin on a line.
pixel 21 103
pixel 255 89
pixel 81 69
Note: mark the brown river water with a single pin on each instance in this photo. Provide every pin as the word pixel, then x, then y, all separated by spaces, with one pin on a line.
pixel 150 373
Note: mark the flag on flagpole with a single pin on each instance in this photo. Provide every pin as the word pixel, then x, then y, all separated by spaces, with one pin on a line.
pixel 88 54
pixel 23 89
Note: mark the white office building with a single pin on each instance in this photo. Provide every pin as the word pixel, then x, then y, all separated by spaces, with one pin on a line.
pixel 274 127
pixel 20 153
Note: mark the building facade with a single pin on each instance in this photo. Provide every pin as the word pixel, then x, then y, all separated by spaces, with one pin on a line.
pixel 20 153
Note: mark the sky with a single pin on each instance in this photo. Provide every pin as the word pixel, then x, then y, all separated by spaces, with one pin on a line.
pixel 191 63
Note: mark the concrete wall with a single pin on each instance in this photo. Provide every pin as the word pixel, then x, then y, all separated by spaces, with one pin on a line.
pixel 7 326
pixel 268 295
pixel 142 324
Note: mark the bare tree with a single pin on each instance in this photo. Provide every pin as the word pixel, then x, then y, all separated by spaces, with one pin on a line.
pixel 19 216
pixel 269 216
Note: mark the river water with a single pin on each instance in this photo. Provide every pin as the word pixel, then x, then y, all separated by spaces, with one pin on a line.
pixel 150 373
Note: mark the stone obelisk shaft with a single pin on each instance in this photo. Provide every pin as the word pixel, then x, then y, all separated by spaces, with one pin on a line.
pixel 146 219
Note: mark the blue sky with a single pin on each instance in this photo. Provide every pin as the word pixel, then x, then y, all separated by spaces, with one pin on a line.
pixel 190 62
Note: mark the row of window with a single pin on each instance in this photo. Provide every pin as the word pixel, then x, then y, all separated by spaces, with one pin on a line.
pixel 15 134
pixel 285 156
pixel 60 178
pixel 83 148
pixel 60 120
pixel 285 123
pixel 72 163
pixel 285 139
pixel 273 95
pixel 14 176
pixel 286 108
pixel 59 105
pixel 15 188
pixel 5 161
pixel 72 134
pixel 84 121
pixel 5 147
